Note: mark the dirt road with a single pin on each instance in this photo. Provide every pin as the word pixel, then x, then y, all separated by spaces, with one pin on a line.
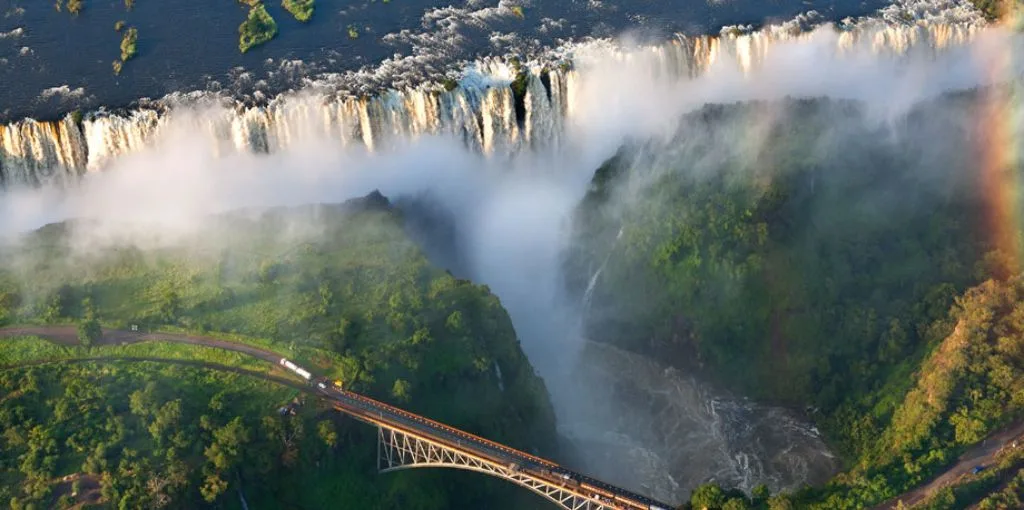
pixel 68 335
pixel 983 454
pixel 184 362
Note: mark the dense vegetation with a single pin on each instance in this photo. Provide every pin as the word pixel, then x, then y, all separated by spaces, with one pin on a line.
pixel 339 288
pixel 301 9
pixel 1010 495
pixel 996 9
pixel 128 41
pixel 258 28
pixel 815 263
pixel 970 384
pixel 996 487
pixel 153 436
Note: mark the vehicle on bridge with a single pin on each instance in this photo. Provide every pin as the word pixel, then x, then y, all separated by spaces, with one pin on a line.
pixel 381 414
pixel 295 368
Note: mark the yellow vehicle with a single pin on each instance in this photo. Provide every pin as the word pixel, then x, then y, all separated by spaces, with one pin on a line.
pixel 337 384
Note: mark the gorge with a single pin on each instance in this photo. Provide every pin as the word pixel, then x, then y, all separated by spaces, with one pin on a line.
pixel 504 165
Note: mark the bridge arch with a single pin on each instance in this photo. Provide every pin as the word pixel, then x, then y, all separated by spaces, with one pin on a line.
pixel 398 450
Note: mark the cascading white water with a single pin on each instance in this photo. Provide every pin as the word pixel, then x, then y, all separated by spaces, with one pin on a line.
pixel 481 111
pixel 588 293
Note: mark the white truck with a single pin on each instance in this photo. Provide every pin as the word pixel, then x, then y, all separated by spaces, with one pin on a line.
pixel 295 368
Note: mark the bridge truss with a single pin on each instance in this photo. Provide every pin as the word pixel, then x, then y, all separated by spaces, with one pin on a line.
pixel 398 449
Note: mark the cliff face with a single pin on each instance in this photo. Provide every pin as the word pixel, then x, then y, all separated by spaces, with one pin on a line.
pixel 340 287
pixel 782 259
pixel 802 251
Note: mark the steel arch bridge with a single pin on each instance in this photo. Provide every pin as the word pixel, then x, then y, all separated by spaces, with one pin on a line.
pixel 398 450
pixel 407 440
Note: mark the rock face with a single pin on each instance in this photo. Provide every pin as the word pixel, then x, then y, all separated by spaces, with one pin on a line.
pixel 736 259
pixel 373 201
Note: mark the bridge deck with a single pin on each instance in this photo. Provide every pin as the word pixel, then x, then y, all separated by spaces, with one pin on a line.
pixel 376 412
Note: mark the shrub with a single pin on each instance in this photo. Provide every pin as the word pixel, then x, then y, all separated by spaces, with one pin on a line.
pixel 257 29
pixel 89 332
pixel 449 84
pixel 128 40
pixel 301 9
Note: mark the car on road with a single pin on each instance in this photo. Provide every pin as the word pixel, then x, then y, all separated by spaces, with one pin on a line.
pixel 977 469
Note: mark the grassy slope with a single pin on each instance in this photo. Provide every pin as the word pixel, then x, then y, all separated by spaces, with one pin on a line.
pixel 341 289
pixel 969 385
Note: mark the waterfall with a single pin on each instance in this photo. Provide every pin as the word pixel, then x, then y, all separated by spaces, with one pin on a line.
pixel 588 293
pixel 481 110
pixel 41 153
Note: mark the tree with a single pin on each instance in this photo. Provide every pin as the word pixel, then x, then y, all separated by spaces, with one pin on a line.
pixel 227 445
pixel 89 332
pixel 88 310
pixel 325 429
pixel 780 502
pixel 142 403
pixel 65 501
pixel 454 321
pixel 128 43
pixel 326 299
pixel 165 420
pixel 400 390
pixel 760 494
pixel 212 488
pixel 8 302
pixel 59 304
pixel 169 305
pixel 707 497
pixel 736 504
pixel 341 337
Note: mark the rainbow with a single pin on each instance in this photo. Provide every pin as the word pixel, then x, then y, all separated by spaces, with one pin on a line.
pixel 998 137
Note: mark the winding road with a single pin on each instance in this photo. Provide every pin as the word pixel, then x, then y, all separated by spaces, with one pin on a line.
pixel 567 488
pixel 68 335
pixel 185 362
pixel 982 454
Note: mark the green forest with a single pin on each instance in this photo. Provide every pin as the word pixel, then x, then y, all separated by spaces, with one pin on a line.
pixel 825 261
pixel 339 288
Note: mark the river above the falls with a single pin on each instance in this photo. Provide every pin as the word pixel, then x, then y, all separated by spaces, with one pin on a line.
pixel 59 62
